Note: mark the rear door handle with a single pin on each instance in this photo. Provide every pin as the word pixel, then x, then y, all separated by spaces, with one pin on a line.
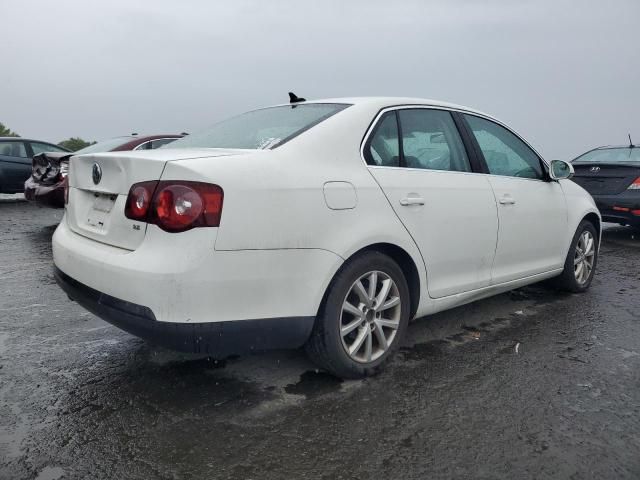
pixel 507 200
pixel 405 202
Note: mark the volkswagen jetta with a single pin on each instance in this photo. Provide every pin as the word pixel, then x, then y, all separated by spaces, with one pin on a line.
pixel 328 224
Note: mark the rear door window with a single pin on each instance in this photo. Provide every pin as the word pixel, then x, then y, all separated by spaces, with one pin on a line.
pixel 160 142
pixel 45 147
pixel 430 140
pixel 13 149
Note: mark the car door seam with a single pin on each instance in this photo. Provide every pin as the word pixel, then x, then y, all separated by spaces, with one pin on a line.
pixel 495 250
pixel 406 229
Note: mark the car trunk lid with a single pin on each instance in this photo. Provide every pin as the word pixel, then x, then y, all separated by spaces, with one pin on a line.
pixel 99 185
pixel 605 178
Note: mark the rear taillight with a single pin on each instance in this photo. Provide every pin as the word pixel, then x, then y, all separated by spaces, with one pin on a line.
pixel 65 186
pixel 635 185
pixel 139 200
pixel 175 206
pixel 64 169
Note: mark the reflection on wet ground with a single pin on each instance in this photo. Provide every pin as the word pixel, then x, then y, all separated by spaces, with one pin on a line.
pixel 529 383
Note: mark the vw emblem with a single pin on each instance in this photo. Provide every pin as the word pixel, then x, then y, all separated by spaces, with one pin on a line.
pixel 96 173
pixel 595 169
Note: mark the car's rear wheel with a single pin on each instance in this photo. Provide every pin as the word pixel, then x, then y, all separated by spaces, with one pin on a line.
pixel 580 264
pixel 363 318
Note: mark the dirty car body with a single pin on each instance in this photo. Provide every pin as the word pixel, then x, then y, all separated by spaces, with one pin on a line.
pixel 328 224
pixel 49 169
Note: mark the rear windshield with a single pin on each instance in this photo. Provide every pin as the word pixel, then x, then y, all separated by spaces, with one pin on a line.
pixel 261 129
pixel 104 145
pixel 611 155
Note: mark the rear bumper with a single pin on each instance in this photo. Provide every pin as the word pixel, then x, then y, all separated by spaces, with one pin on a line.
pixel 183 279
pixel 619 208
pixel 218 339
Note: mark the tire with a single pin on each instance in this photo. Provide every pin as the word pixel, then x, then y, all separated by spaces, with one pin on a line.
pixel 569 279
pixel 370 323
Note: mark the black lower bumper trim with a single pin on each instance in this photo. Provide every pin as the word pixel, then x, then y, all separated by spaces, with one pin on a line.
pixel 218 339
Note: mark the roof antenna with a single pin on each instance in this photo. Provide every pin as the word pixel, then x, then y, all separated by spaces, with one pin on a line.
pixel 293 98
pixel 631 145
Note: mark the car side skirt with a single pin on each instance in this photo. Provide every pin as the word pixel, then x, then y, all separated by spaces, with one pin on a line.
pixel 459 299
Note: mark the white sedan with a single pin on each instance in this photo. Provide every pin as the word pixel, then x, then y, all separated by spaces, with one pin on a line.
pixel 329 224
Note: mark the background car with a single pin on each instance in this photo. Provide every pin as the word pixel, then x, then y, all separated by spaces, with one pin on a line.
pixel 46 184
pixel 328 224
pixel 15 160
pixel 612 176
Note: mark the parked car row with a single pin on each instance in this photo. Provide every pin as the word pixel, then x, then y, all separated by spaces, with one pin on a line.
pixel 16 155
pixel 327 224
pixel 39 169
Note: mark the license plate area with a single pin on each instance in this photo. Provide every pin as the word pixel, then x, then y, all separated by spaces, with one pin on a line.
pixel 100 210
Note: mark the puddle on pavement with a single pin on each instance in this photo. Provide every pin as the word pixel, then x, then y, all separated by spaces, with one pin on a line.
pixel 313 384
pixel 511 348
pixel 424 350
pixel 50 473
pixel 190 366
pixel 467 333
pixel 539 294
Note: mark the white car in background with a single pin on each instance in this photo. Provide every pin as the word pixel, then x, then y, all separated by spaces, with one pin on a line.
pixel 327 223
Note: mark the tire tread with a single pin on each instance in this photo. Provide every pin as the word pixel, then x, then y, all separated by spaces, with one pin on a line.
pixel 318 347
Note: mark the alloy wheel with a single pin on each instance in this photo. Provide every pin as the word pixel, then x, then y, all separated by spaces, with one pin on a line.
pixel 370 317
pixel 584 257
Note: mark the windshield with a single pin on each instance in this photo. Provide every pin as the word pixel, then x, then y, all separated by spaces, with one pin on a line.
pixel 611 155
pixel 261 129
pixel 104 145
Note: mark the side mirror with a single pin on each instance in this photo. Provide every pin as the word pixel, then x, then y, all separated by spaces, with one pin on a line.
pixel 559 169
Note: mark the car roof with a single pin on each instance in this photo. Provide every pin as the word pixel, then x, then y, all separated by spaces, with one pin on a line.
pixel 603 147
pixel 152 137
pixel 147 137
pixel 607 147
pixel 22 139
pixel 138 136
pixel 384 102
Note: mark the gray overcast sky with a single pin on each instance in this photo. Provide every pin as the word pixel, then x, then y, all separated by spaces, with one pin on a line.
pixel 565 74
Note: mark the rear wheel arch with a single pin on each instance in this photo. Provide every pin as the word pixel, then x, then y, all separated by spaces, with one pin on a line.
pixel 404 261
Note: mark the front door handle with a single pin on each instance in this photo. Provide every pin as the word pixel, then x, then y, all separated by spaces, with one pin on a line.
pixel 507 200
pixel 405 202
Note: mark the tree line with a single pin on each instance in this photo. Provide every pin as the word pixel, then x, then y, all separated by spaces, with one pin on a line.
pixel 73 143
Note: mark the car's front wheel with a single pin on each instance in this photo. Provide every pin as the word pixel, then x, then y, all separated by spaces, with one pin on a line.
pixel 363 318
pixel 581 261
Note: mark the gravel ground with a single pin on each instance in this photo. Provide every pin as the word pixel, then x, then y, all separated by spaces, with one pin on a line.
pixel 529 384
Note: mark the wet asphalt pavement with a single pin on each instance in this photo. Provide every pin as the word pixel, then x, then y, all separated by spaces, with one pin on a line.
pixel 529 384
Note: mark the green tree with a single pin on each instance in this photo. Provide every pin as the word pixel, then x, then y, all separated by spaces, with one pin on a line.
pixel 75 143
pixel 6 132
